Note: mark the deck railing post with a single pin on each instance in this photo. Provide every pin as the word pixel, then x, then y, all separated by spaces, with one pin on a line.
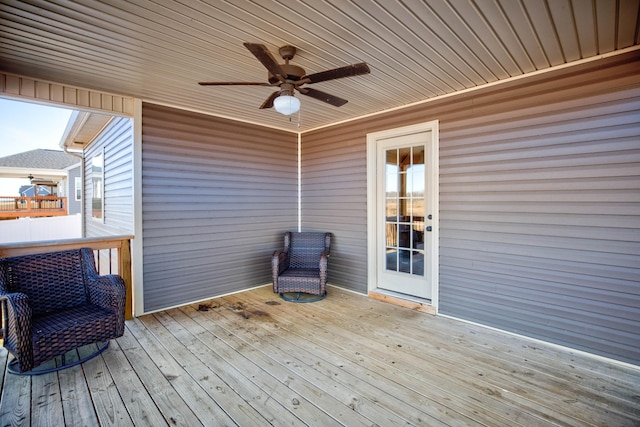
pixel 124 269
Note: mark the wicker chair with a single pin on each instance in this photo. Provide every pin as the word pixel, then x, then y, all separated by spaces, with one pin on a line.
pixel 301 266
pixel 56 302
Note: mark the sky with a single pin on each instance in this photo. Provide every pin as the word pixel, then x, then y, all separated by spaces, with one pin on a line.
pixel 26 126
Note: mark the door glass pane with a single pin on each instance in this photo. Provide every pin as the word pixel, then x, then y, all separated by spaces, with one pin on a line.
pixel 405 209
pixel 418 155
pixel 404 235
pixel 392 187
pixel 417 241
pixel 391 208
pixel 404 157
pixel 416 181
pixel 418 263
pixel 392 259
pixel 392 157
pixel 404 258
pixel 417 209
pixel 391 236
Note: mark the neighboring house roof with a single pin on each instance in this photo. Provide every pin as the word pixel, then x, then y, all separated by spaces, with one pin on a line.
pixel 39 159
pixel 40 163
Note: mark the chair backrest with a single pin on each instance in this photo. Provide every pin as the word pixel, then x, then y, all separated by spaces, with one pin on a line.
pixel 52 281
pixel 306 247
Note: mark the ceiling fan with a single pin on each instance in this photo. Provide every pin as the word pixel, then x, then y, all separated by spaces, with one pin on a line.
pixel 290 77
pixel 40 181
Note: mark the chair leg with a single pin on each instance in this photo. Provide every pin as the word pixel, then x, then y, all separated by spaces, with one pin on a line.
pixel 14 365
pixel 297 297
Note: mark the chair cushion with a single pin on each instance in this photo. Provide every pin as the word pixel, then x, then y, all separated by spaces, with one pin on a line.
pixel 57 332
pixel 300 280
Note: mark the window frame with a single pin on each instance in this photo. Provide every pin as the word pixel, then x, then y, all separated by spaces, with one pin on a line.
pixel 97 182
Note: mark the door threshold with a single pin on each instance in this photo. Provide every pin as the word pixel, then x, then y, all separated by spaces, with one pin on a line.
pixel 403 300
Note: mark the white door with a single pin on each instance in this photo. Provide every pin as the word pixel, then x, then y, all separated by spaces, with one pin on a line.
pixel 405 212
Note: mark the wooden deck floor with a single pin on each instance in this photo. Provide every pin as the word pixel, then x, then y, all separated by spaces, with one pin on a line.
pixel 252 360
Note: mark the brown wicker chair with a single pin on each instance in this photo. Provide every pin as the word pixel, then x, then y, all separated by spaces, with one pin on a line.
pixel 301 266
pixel 56 302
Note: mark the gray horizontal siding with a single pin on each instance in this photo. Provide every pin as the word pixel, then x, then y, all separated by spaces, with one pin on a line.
pixel 539 204
pixel 540 222
pixel 74 206
pixel 334 189
pixel 117 141
pixel 217 197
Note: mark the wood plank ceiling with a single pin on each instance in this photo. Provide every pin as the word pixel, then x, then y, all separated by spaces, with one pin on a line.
pixel 158 50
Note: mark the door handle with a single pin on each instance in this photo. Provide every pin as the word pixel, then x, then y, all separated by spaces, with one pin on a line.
pixel 428 228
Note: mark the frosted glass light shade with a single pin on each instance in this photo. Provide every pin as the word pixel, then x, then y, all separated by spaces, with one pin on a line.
pixel 286 104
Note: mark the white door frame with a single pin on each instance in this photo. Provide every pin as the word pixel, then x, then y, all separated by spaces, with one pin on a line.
pixel 372 201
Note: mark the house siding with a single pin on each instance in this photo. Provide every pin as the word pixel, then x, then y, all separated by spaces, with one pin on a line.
pixel 334 189
pixel 217 197
pixel 116 141
pixel 539 204
pixel 74 206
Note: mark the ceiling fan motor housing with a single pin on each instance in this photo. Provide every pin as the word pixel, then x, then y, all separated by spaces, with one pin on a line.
pixel 294 73
pixel 287 52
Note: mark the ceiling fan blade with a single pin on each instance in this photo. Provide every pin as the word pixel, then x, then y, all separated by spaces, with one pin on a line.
pixel 338 73
pixel 264 56
pixel 268 103
pixel 323 96
pixel 234 84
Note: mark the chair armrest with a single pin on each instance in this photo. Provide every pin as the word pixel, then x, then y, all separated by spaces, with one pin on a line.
pixel 324 261
pixel 108 292
pixel 279 262
pixel 16 313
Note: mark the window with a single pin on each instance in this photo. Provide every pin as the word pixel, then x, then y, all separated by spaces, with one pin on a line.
pixel 97 187
pixel 78 188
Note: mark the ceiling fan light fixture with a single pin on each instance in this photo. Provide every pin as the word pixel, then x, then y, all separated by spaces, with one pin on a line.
pixel 286 104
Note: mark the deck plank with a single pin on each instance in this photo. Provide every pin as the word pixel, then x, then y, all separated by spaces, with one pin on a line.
pixel 498 343
pixel 106 398
pixel 140 407
pixel 270 409
pixel 76 399
pixel 155 386
pixel 562 405
pixel 4 359
pixel 426 389
pixel 16 401
pixel 253 359
pixel 301 388
pixel 556 377
pixel 503 344
pixel 180 343
pixel 354 393
pixel 205 408
pixel 46 404
pixel 274 385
